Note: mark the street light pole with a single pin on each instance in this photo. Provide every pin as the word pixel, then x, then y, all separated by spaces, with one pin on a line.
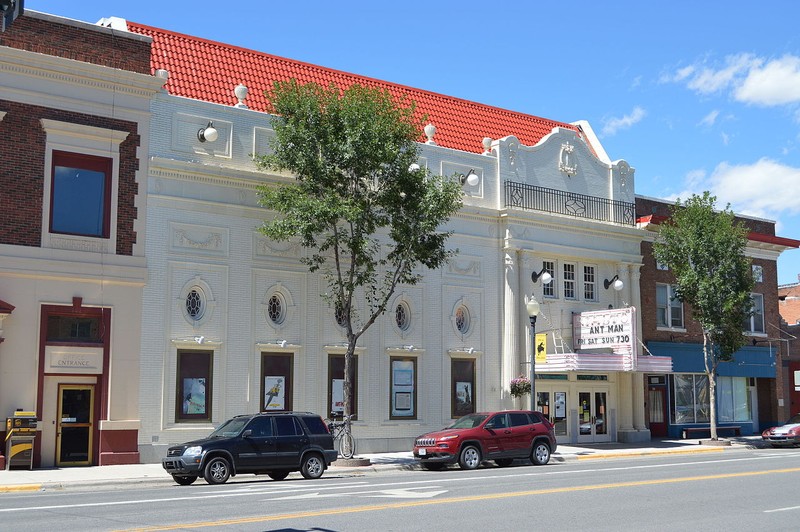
pixel 532 307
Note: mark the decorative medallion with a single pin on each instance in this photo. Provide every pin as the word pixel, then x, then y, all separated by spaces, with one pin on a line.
pixel 566 160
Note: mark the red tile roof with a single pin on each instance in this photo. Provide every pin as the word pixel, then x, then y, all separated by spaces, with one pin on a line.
pixel 209 71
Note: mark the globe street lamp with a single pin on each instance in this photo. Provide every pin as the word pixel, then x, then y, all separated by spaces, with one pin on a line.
pixel 532 307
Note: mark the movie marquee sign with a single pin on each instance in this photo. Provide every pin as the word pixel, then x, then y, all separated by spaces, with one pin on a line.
pixel 612 329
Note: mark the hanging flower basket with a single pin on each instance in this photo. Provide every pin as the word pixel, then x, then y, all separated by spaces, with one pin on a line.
pixel 520 386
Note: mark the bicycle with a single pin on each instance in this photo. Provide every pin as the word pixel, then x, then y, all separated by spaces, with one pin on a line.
pixel 343 440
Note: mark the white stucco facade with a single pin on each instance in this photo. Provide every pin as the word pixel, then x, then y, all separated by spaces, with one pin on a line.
pixel 202 233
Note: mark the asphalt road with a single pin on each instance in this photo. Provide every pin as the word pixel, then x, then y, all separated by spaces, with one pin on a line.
pixel 751 489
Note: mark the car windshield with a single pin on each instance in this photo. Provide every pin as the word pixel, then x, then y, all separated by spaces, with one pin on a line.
pixel 468 422
pixel 232 427
pixel 795 419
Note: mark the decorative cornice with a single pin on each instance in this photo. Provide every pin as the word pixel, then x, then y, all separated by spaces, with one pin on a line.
pixel 461 352
pixel 14 61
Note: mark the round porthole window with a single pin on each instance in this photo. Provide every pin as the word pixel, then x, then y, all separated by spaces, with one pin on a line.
pixel 276 309
pixel 462 319
pixel 339 314
pixel 195 304
pixel 402 316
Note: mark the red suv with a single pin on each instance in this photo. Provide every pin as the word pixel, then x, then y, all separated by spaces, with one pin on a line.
pixel 499 436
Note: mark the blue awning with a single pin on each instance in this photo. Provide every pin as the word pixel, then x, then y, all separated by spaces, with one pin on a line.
pixel 749 361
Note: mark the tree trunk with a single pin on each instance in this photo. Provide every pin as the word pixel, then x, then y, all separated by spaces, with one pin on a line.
pixel 348 383
pixel 711 374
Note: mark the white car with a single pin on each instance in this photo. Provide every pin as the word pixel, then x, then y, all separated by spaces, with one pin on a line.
pixel 786 434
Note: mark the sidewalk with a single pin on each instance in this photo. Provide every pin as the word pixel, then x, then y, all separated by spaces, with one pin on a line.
pixel 77 477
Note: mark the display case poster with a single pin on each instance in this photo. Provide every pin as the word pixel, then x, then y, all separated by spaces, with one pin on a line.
pixel 463 398
pixel 274 393
pixel 337 395
pixel 194 395
pixel 402 388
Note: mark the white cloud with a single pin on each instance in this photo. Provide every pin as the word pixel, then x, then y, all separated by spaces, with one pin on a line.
pixel 695 178
pixel 776 83
pixel 750 189
pixel 750 79
pixel 612 125
pixel 679 75
pixel 726 139
pixel 709 119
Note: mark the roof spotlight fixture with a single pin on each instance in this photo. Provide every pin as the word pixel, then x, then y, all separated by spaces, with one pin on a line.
pixel 208 133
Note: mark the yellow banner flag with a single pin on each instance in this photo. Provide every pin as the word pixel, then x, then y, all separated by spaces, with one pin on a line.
pixel 541 348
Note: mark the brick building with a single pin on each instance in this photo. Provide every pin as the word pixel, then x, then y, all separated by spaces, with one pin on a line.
pixel 789 308
pixel 74 123
pixel 750 387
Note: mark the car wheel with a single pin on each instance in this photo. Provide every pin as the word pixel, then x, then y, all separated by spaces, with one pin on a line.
pixel 312 466
pixel 470 457
pixel 184 481
pixel 433 466
pixel 504 462
pixel 540 454
pixel 217 471
pixel 278 475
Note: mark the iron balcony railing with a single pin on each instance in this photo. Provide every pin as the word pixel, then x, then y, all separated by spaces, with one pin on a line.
pixel 533 198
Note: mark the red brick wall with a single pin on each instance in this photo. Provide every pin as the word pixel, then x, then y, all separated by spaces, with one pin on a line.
pixel 103 47
pixel 790 303
pixel 651 276
pixel 22 150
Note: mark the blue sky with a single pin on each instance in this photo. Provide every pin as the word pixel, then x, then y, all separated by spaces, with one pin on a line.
pixel 695 95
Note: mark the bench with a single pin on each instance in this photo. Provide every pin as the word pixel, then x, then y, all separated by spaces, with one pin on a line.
pixel 687 431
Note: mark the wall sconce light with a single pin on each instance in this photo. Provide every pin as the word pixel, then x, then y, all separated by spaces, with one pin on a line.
pixel 545 276
pixel 283 343
pixel 199 339
pixel 471 178
pixel 409 348
pixel 208 133
pixel 615 281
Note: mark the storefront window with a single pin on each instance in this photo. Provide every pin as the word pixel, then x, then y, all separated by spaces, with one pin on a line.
pixel 276 382
pixel 403 388
pixel 733 399
pixel 462 375
pixel 690 402
pixel 194 386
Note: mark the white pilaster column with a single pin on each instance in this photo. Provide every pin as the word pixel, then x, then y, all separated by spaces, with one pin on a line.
pixel 511 360
pixel 638 377
pixel 625 405
pixel 638 401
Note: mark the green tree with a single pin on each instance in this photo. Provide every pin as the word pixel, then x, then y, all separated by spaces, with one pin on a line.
pixel 368 215
pixel 704 249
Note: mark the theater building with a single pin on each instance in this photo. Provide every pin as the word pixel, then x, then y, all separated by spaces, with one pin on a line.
pixel 163 338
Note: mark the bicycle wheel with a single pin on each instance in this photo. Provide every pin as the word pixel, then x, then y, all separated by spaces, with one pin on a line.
pixel 347 445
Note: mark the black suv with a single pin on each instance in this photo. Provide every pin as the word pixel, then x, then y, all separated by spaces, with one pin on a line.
pixel 274 444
